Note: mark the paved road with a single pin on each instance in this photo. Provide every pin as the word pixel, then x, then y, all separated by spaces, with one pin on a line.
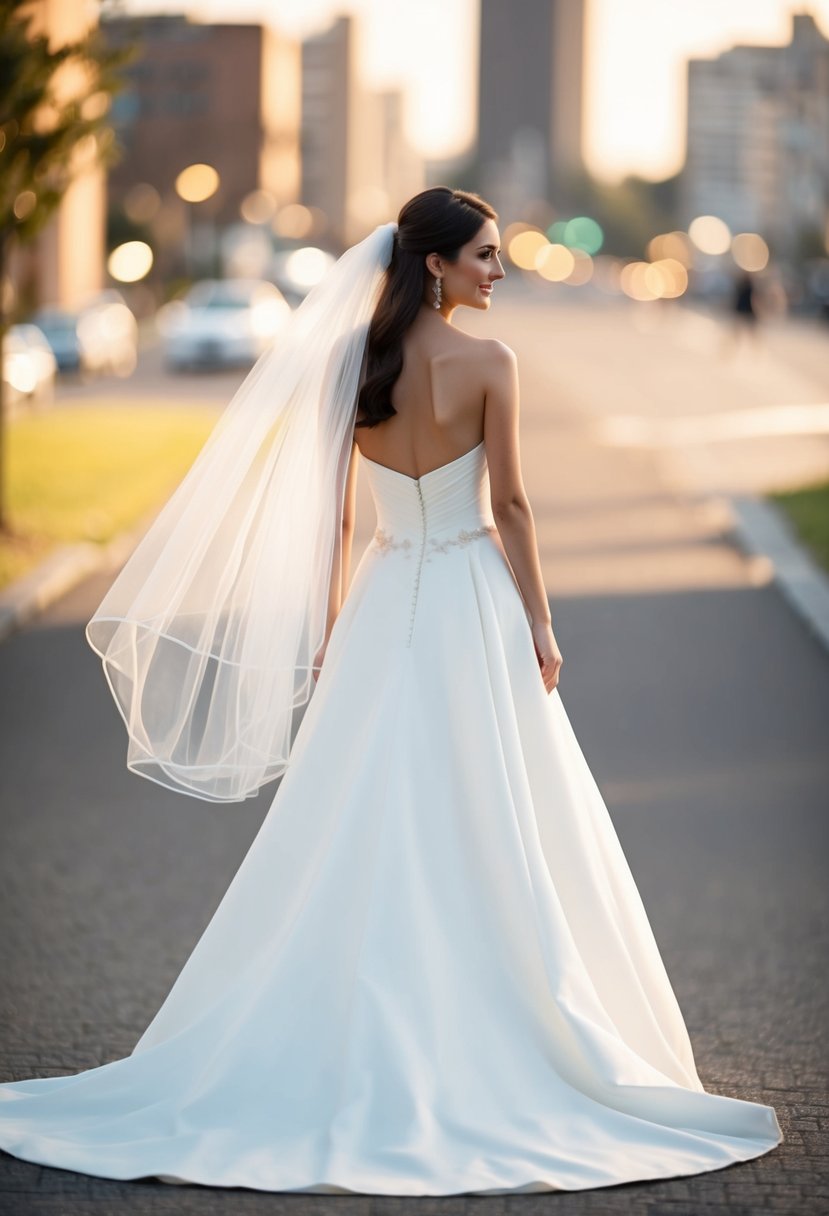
pixel 701 704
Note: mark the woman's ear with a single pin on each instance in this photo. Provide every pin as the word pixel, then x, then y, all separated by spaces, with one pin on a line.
pixel 433 263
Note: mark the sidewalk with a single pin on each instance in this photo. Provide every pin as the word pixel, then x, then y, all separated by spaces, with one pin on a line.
pixel 63 570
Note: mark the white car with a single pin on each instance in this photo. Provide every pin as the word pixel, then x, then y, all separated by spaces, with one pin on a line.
pixel 222 322
pixel 29 367
pixel 99 337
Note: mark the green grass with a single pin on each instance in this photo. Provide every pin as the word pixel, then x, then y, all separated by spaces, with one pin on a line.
pixel 86 472
pixel 808 510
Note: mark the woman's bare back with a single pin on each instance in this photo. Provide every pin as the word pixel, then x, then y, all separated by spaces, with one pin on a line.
pixel 439 397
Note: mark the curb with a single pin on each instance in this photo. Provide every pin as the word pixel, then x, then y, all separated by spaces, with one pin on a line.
pixel 58 573
pixel 761 529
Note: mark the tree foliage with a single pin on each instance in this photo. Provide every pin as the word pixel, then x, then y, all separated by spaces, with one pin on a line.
pixel 54 106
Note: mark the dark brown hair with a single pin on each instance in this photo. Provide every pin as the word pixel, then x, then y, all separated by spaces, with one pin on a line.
pixel 438 220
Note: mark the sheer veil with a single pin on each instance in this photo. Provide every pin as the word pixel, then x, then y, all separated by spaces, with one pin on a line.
pixel 209 632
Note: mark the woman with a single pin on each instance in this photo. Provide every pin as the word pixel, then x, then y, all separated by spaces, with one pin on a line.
pixel 432 973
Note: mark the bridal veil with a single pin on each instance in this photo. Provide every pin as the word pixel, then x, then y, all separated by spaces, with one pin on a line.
pixel 209 632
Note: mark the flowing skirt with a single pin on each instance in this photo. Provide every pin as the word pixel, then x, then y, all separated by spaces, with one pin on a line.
pixel 432 973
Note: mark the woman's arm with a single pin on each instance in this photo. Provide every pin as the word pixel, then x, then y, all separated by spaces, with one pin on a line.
pixel 340 574
pixel 349 517
pixel 510 505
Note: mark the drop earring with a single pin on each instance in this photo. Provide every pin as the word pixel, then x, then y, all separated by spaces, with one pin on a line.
pixel 437 288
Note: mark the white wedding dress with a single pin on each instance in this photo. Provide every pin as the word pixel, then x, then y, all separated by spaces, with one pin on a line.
pixel 432 973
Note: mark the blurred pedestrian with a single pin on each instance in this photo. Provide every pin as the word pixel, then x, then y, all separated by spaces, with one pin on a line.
pixel 746 307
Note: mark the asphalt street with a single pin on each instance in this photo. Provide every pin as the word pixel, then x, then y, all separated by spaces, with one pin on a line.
pixel 701 703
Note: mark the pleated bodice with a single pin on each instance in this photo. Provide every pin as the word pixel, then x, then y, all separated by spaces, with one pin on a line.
pixel 450 499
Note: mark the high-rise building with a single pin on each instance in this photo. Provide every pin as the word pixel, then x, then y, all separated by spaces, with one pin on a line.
pixel 223 95
pixel 328 103
pixel 758 138
pixel 530 100
pixel 357 165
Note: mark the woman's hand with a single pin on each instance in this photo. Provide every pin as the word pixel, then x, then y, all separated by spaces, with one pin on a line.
pixel 547 653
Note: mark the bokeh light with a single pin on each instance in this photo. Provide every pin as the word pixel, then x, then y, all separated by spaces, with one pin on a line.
pixel 671 245
pixel 130 262
pixel 581 232
pixel 710 234
pixel 258 207
pixel 634 281
pixel 197 183
pixel 20 372
pixel 24 204
pixel 306 266
pixel 750 251
pixel 666 279
pixel 293 220
pixel 525 247
pixel 584 233
pixel 141 203
pixel 108 326
pixel 512 230
pixel 95 106
pixel 582 271
pixel 555 262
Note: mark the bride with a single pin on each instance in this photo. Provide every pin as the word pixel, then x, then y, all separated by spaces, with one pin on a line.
pixel 432 973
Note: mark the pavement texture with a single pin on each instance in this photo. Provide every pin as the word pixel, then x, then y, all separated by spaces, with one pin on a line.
pixel 700 700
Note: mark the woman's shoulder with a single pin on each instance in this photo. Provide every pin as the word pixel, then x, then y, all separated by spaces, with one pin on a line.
pixel 488 349
pixel 494 360
pixel 465 346
pixel 499 352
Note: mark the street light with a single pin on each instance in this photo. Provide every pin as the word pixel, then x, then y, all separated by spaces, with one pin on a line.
pixel 196 184
pixel 130 262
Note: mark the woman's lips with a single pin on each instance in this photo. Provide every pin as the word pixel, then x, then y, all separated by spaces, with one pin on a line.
pixel 486 287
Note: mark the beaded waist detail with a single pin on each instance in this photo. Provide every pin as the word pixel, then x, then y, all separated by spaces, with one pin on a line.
pixel 386 542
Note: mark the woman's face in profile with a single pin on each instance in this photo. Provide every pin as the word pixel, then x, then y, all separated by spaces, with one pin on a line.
pixel 478 267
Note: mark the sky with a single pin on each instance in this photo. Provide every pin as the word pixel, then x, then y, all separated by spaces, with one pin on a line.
pixel 635 70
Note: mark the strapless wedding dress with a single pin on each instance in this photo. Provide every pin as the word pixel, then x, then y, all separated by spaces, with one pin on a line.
pixel 432 973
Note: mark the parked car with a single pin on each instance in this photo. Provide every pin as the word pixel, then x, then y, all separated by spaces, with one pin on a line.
pixel 99 337
pixel 29 367
pixel 222 322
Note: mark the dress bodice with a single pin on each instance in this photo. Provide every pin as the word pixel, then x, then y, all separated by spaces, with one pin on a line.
pixel 421 518
pixel 443 508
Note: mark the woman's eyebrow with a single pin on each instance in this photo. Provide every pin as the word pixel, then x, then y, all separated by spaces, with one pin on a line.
pixel 488 247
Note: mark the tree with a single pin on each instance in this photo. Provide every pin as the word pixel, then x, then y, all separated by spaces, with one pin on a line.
pixel 49 132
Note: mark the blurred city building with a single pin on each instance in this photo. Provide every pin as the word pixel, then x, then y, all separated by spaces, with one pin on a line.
pixel 530 100
pixel 224 96
pixel 758 139
pixel 57 267
pixel 357 164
